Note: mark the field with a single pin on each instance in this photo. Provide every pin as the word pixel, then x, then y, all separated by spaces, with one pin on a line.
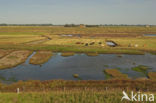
pixel 130 40
pixel 18 42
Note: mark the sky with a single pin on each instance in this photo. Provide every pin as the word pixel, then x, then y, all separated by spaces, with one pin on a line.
pixel 78 11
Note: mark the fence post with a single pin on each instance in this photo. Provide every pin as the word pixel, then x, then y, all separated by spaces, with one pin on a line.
pixel 18 90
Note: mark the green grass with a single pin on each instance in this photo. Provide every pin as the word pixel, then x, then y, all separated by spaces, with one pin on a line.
pixel 63 97
pixel 69 96
pixel 141 68
pixel 20 37
pixel 62 48
pixel 60 91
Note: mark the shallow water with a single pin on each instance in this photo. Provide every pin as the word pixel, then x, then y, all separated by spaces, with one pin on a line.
pixel 71 35
pixel 110 43
pixel 150 35
pixel 88 68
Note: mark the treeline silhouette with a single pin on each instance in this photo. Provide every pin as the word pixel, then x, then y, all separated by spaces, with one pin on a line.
pixel 73 25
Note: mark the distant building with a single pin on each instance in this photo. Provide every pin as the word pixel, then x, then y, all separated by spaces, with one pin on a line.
pixel 82 26
pixel 147 26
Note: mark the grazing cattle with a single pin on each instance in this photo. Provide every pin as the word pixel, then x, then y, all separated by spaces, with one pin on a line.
pixel 144 45
pixel 78 42
pixel 136 45
pixel 100 42
pixel 86 44
pixel 102 45
pixel 129 45
pixel 92 43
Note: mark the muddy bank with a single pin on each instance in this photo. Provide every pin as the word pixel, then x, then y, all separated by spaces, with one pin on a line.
pixel 66 54
pixel 14 58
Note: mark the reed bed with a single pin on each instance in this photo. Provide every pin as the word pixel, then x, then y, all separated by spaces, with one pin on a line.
pixel 115 74
pixel 152 75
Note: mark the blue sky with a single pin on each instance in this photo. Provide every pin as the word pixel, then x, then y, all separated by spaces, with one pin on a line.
pixel 78 11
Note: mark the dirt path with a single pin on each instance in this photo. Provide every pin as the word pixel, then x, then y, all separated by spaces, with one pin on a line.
pixel 47 38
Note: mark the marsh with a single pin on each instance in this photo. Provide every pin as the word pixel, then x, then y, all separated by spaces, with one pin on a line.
pixel 87 67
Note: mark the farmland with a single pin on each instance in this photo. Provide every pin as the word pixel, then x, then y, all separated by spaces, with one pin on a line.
pixel 126 38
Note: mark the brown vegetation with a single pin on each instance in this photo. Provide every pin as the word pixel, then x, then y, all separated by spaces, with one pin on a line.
pixel 116 74
pixel 4 52
pixel 66 54
pixel 41 57
pixel 14 58
pixel 123 84
pixel 92 54
pixel 152 75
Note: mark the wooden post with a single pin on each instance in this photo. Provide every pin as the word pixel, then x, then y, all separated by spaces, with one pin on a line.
pixel 18 90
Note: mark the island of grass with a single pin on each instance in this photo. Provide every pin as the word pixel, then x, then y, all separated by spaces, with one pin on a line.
pixel 14 58
pixel 40 57
pixel 114 73
pixel 141 68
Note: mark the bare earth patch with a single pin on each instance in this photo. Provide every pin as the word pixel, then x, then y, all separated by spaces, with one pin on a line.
pixel 40 57
pixel 14 58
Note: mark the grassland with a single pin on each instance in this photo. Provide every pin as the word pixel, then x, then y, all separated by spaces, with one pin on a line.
pixel 76 96
pixel 37 38
pixel 56 91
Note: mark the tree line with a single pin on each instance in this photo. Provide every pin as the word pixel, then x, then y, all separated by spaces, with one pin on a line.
pixel 72 25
